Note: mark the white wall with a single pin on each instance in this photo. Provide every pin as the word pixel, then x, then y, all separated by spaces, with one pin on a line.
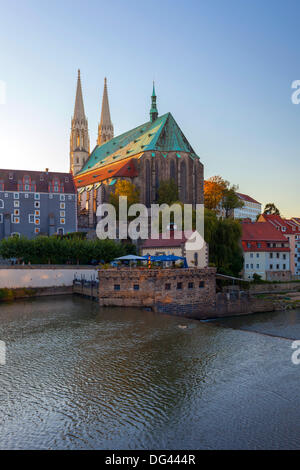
pixel 42 277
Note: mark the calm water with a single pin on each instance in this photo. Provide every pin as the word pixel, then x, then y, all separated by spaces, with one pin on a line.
pixel 78 377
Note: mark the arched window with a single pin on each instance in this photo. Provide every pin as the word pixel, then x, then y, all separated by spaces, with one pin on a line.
pixel 172 170
pixel 148 184
pixel 183 191
pixel 156 180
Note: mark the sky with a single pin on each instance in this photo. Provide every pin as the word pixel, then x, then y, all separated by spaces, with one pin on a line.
pixel 224 69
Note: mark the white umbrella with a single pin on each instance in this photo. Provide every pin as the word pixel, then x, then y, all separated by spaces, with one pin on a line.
pixel 130 258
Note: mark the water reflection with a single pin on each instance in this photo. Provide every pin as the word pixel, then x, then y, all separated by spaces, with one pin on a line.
pixel 78 376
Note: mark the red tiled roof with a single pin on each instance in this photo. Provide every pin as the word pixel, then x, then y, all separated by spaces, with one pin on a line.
pixel 262 233
pixel 118 169
pixel 247 198
pixel 290 227
pixel 169 242
pixel 10 178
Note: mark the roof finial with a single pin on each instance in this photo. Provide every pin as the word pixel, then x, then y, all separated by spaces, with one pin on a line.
pixel 153 110
pixel 79 74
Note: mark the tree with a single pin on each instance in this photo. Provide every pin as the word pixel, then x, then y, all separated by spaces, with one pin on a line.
pixel 168 192
pixel 214 189
pixel 271 209
pixel 124 188
pixel 231 200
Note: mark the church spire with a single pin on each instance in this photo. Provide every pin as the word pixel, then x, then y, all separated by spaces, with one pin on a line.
pixel 105 128
pixel 153 110
pixel 79 141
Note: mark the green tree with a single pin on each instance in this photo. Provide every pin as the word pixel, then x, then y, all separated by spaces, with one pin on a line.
pixel 271 209
pixel 231 201
pixel 168 192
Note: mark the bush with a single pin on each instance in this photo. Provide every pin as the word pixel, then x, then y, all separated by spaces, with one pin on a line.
pixel 56 250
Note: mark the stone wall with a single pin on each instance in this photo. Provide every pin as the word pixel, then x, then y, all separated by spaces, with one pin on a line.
pixel 273 288
pixel 185 292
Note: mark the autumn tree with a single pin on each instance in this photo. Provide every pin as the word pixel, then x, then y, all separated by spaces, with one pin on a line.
pixel 124 188
pixel 231 201
pixel 214 189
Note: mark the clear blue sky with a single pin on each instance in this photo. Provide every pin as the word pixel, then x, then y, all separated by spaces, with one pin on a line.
pixel 223 68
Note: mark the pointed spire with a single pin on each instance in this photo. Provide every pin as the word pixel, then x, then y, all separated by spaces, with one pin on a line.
pixel 153 110
pixel 79 107
pixel 105 129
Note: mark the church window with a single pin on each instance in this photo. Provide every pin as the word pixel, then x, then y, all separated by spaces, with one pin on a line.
pixel 183 191
pixel 172 170
pixel 148 184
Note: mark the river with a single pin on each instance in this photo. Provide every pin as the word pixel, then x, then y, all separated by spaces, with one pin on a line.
pixel 81 377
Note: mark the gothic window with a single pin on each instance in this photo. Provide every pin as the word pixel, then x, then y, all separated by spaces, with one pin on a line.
pixel 156 180
pixel 148 184
pixel 183 189
pixel 172 170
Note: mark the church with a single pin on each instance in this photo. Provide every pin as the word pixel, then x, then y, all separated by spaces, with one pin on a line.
pixel 153 152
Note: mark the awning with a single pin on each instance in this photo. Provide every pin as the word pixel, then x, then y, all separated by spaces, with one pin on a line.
pixel 80 190
pixel 97 185
pixel 112 182
pixel 89 187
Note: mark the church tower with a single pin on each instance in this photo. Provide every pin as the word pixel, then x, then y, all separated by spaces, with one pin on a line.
pixel 79 141
pixel 105 128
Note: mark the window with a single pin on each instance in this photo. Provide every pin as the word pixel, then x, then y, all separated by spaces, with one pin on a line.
pixel 37 221
pixel 258 245
pixel 70 197
pixel 277 266
pixel 251 266
pixel 201 284
pixel 179 285
pixel 16 203
pixel 36 204
pixel 16 195
pixel 15 234
pixel 62 214
pixel 1 218
pixel 62 197
pixel 167 286
pixel 284 256
pixel 36 230
pixel 26 196
pixel 136 287
pixel 62 221
pixel 271 255
pixel 6 195
pixel 1 204
pixel 31 218
pixel 284 266
pixel 66 179
pixel 10 176
pixel 257 266
pixel 62 205
pixel 16 211
pixel 191 285
pixel 251 255
pixel 50 196
pixel 16 220
pixel 257 255
pixel 117 287
pixel 37 213
pixel 36 196
pixel 271 266
pixel 277 255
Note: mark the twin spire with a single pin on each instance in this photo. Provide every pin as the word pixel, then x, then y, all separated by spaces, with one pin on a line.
pixel 80 142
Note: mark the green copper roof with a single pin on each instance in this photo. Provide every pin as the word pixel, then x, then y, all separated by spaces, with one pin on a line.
pixel 163 135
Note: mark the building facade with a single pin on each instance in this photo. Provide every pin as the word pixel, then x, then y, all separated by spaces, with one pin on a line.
pixel 178 244
pixel 291 230
pixel 266 252
pixel 37 203
pixel 250 210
